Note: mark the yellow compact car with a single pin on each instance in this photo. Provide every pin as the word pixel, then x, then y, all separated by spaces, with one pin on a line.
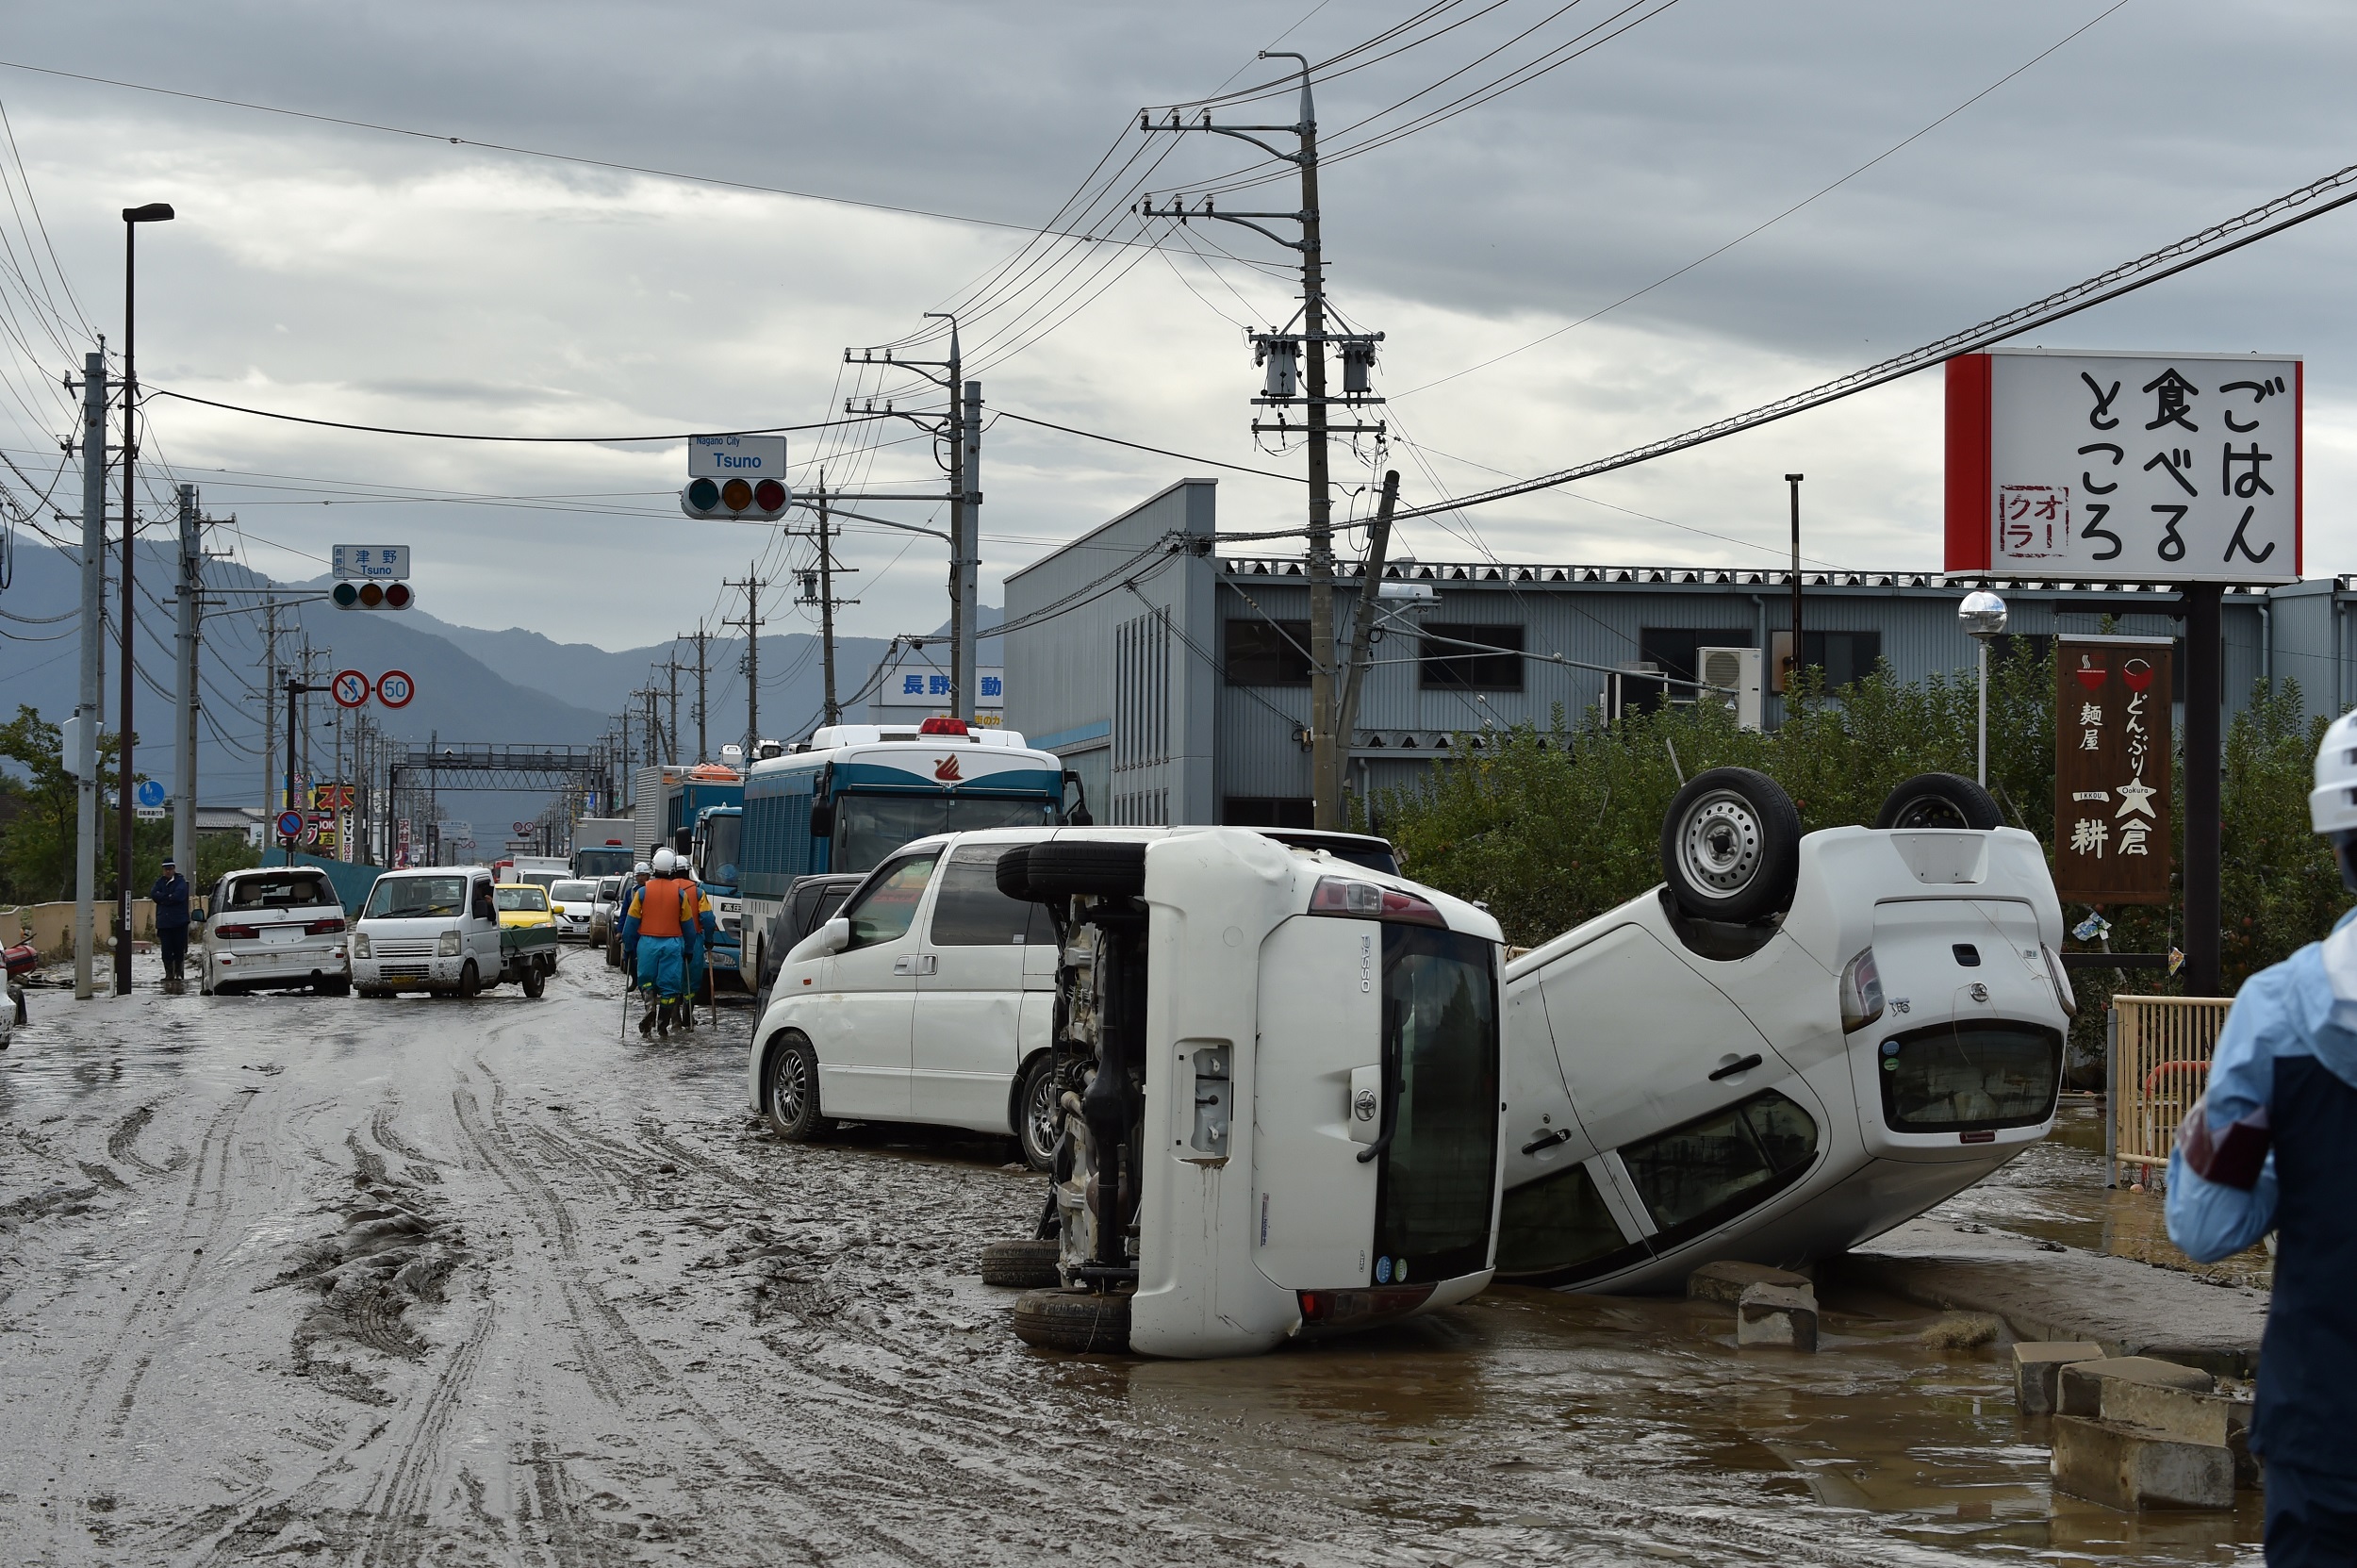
pixel 523 906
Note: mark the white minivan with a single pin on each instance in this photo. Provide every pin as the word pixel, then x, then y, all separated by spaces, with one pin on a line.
pixel 274 928
pixel 430 929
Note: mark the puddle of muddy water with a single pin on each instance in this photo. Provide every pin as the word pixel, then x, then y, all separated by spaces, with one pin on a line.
pixel 1525 1410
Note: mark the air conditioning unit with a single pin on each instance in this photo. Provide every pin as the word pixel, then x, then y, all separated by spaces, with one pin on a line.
pixel 1732 675
pixel 1627 687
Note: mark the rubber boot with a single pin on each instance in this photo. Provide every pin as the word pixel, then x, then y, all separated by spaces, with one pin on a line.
pixel 688 1013
pixel 647 1019
pixel 663 1020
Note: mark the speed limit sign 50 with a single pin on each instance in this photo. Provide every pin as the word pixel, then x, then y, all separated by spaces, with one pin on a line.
pixel 394 689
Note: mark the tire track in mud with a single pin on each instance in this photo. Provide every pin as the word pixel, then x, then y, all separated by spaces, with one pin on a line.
pixel 122 1143
pixel 397 1508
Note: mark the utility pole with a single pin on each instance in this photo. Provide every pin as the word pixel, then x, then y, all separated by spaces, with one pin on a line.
pixel 818 589
pixel 296 688
pixel 1370 594
pixel 1792 682
pixel 127 819
pixel 184 741
pixel 752 587
pixel 270 707
pixel 703 745
pixel 1279 350
pixel 671 741
pixel 90 711
pixel 961 432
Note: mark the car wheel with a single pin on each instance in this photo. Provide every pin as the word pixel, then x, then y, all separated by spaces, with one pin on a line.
pixel 470 983
pixel 614 953
pixel 334 987
pixel 1093 869
pixel 1940 801
pixel 1026 1265
pixel 790 1099
pixel 1083 1320
pixel 535 983
pixel 1731 845
pixel 1038 1117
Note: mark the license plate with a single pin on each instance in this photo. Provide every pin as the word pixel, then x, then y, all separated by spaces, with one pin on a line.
pixel 282 934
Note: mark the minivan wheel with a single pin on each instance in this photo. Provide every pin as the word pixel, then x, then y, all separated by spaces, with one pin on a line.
pixel 1037 1113
pixel 1081 1321
pixel 1026 1265
pixel 790 1101
pixel 470 982
pixel 1940 801
pixel 1731 845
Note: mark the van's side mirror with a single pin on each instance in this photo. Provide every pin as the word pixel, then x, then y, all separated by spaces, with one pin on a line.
pixel 822 819
pixel 825 942
pixel 1078 816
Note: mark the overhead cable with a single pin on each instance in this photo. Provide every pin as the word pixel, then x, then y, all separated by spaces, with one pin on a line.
pixel 2288 210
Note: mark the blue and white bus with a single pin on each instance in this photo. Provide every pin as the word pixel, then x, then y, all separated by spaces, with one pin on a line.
pixel 857 792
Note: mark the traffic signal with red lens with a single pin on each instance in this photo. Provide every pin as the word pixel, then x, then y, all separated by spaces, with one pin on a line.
pixel 372 596
pixel 759 500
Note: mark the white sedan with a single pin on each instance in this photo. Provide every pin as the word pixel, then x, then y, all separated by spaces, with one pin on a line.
pixel 575 905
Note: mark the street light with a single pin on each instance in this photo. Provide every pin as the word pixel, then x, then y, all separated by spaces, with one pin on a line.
pixel 154 212
pixel 1983 614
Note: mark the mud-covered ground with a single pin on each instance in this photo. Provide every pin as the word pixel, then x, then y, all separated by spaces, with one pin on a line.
pixel 434 1282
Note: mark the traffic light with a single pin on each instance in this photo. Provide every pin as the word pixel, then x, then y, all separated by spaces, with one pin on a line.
pixel 372 596
pixel 762 500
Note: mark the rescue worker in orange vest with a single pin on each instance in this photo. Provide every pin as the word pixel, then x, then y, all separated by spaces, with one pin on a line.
pixel 654 942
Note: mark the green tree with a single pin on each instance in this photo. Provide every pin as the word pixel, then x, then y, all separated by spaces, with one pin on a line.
pixel 37 847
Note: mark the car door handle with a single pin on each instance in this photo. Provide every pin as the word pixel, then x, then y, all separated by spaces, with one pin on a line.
pixel 1733 1067
pixel 1548 1140
pixel 917 963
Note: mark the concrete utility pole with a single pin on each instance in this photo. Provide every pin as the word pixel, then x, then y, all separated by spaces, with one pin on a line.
pixel 184 740
pixel 967 524
pixel 269 709
pixel 833 710
pixel 1326 744
pixel 1370 594
pixel 752 587
pixel 703 744
pixel 671 741
pixel 88 713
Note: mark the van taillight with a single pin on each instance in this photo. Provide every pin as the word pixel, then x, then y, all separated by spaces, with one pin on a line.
pixel 1365 901
pixel 237 934
pixel 322 927
pixel 1315 1306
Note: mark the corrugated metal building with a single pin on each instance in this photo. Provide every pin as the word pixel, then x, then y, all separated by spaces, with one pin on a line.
pixel 1175 679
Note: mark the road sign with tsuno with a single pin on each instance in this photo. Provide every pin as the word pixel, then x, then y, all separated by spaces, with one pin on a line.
pixel 2113 818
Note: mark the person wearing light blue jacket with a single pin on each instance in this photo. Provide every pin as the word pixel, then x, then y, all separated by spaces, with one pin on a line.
pixel 2267 1150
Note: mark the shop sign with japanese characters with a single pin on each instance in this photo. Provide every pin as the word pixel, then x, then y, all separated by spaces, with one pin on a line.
pixel 2112 804
pixel 2127 467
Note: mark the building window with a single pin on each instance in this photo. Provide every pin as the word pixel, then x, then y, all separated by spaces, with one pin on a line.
pixel 1671 650
pixel 1268 811
pixel 1267 653
pixel 1445 663
pixel 1846 657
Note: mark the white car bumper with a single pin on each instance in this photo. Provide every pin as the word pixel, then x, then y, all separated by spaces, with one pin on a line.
pixel 408 974
pixel 292 964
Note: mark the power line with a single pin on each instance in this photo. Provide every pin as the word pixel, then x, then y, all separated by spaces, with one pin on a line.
pixel 471 436
pixel 2223 239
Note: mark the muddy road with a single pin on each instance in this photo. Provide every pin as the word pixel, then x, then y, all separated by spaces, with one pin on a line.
pixel 432 1283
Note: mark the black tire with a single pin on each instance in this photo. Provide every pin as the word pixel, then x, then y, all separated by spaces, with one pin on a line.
pixel 333 988
pixel 1940 801
pixel 470 983
pixel 614 953
pixel 1731 845
pixel 536 980
pixel 1081 1321
pixel 1014 873
pixel 789 1091
pixel 1084 868
pixel 1025 1265
pixel 1037 1115
pixel 373 993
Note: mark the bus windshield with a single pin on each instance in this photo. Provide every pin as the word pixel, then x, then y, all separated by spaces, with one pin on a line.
pixel 722 835
pixel 869 827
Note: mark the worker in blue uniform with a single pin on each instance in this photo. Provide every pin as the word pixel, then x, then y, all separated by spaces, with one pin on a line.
pixel 2264 1150
pixel 654 942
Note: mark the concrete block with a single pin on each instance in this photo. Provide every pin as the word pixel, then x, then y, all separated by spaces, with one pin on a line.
pixel 2187 1415
pixel 2037 1365
pixel 1727 1281
pixel 2134 1468
pixel 2080 1387
pixel 1778 1315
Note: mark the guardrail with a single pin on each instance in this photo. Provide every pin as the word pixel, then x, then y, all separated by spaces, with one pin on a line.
pixel 2160 1065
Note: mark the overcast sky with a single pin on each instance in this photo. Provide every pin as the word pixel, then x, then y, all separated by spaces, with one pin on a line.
pixel 405 280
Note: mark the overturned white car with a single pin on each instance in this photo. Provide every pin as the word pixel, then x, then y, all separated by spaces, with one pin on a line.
pixel 1282 1105
pixel 1793 1045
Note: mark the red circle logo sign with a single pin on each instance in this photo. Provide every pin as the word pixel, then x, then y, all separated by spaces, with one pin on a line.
pixel 394 689
pixel 351 688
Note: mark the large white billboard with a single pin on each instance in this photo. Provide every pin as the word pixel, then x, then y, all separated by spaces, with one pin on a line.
pixel 2126 467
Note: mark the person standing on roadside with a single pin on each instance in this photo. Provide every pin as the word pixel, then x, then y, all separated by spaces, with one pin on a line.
pixel 2266 1150
pixel 170 893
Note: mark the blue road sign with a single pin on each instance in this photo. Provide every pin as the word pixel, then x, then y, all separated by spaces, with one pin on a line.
pixel 150 793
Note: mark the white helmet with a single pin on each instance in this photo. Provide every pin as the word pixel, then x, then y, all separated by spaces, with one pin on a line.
pixel 664 863
pixel 642 870
pixel 2333 804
